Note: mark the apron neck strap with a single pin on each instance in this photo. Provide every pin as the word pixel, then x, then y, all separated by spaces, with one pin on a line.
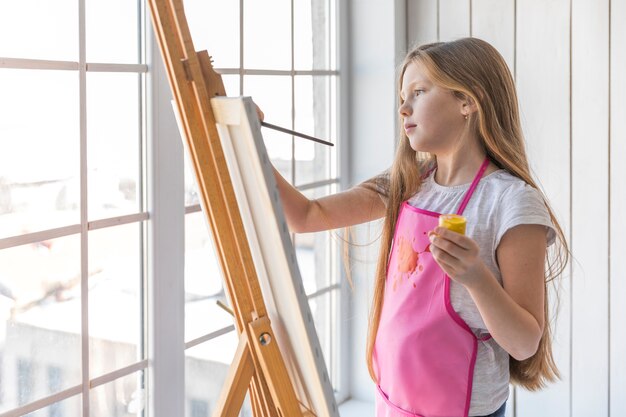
pixel 470 191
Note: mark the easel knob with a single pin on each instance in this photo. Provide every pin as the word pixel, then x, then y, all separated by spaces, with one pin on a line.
pixel 265 339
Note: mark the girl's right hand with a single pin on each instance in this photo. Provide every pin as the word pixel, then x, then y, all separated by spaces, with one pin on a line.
pixel 346 208
pixel 259 113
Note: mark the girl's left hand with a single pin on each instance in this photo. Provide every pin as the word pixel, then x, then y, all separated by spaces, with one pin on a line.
pixel 456 254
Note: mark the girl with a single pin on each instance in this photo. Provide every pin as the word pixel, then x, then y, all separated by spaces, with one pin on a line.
pixel 454 317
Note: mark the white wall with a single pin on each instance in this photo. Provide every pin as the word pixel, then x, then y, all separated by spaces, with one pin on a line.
pixel 377 45
pixel 569 60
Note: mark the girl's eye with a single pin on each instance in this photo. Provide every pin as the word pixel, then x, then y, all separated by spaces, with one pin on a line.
pixel 418 92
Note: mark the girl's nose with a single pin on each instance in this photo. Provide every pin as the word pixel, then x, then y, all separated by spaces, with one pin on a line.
pixel 404 110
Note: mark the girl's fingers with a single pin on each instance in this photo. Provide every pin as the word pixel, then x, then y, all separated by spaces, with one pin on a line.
pixel 458 239
pixel 441 242
pixel 447 268
pixel 259 112
pixel 443 256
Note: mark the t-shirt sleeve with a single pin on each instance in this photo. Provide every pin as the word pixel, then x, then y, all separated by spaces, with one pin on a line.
pixel 379 184
pixel 523 204
pixel 383 194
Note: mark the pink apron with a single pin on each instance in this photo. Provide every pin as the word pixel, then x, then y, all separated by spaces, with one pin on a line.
pixel 424 353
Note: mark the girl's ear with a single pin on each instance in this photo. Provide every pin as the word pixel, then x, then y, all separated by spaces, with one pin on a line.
pixel 468 106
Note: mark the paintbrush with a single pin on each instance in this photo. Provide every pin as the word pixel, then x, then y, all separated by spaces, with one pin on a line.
pixel 293 132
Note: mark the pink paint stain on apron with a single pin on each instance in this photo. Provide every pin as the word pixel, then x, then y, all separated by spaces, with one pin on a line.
pixel 425 353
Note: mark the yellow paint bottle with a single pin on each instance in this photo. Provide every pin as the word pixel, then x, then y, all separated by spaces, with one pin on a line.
pixel 453 222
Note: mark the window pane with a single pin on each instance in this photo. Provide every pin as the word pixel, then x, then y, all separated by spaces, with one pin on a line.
pixel 124 397
pixel 39 29
pixel 192 193
pixel 333 44
pixel 214 26
pixel 115 305
pixel 273 95
pixel 312 35
pixel 203 281
pixel 39 150
pixel 315 114
pixel 69 407
pixel 113 143
pixel 206 367
pixel 267 34
pixel 231 85
pixel 103 44
pixel 40 342
pixel 316 252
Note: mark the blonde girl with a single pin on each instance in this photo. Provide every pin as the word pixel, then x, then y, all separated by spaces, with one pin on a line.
pixel 455 317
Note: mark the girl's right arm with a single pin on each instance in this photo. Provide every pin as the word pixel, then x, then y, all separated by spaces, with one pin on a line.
pixel 347 208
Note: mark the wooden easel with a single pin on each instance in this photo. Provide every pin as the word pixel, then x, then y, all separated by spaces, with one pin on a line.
pixel 258 363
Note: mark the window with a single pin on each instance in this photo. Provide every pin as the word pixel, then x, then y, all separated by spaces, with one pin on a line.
pixel 1 378
pixel 25 381
pixel 72 210
pixel 77 178
pixel 199 408
pixel 55 375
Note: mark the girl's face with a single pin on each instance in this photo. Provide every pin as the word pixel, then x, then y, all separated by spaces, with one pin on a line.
pixel 433 118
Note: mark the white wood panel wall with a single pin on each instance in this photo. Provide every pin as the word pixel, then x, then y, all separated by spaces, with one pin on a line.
pixel 373 122
pixel 617 242
pixel 569 61
pixel 457 19
pixel 544 93
pixel 590 140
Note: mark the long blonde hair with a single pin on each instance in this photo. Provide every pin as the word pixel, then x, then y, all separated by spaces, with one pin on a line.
pixel 471 68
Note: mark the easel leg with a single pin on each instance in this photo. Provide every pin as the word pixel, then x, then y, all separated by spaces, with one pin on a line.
pixel 273 367
pixel 254 402
pixel 237 381
pixel 259 408
pixel 265 404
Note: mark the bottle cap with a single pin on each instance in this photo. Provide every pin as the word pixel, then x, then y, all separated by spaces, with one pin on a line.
pixel 453 222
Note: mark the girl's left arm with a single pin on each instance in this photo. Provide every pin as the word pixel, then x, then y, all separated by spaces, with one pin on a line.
pixel 513 312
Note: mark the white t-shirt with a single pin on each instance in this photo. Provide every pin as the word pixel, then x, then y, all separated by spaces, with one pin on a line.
pixel 499 202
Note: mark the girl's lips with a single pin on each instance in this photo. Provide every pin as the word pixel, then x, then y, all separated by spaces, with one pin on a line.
pixel 408 127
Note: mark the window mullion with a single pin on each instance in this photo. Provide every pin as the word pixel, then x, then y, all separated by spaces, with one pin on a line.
pixel 39 64
pixel 166 243
pixel 84 236
pixel 342 93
